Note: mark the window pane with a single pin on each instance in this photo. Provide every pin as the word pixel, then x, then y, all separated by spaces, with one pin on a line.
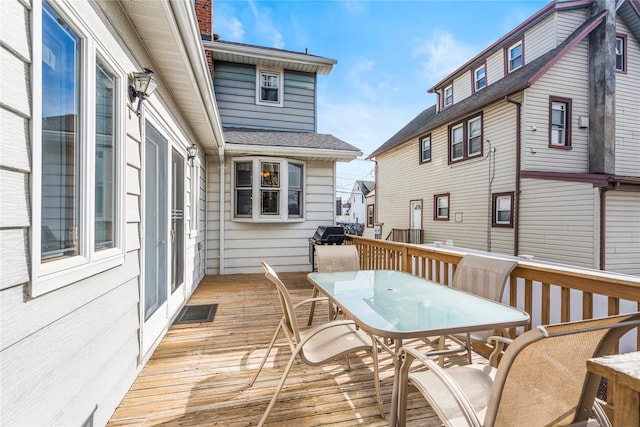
pixel 481 80
pixel 456 144
pixel 269 202
pixel 426 148
pixel 475 137
pixel 515 57
pixel 243 203
pixel 243 174
pixel 558 123
pixel 295 190
pixel 269 87
pixel 60 146
pixel 619 54
pixel 503 210
pixel 105 188
pixel 270 174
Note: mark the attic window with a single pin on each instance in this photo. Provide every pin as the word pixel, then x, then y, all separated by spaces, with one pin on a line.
pixel 448 95
pixel 479 78
pixel 269 90
pixel 515 56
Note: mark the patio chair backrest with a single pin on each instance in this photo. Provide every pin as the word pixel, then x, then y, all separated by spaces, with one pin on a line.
pixel 542 378
pixel 291 322
pixel 333 258
pixel 483 276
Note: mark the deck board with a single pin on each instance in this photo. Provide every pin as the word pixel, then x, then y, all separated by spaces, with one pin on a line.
pixel 199 373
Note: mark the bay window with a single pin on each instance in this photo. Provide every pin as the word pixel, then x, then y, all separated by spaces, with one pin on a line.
pixel 268 189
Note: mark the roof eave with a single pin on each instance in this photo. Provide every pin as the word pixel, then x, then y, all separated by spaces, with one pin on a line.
pixel 283 151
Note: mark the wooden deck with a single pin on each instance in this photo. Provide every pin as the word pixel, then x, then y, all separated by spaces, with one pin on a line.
pixel 199 373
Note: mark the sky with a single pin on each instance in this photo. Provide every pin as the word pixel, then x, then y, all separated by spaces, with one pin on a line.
pixel 388 53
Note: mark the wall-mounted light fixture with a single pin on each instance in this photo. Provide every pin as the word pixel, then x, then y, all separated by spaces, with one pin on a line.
pixel 192 152
pixel 143 85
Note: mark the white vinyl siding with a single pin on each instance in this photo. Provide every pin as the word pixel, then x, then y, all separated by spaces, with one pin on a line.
pixel 568 78
pixel 558 221
pixel 622 232
pixel 495 67
pixel 570 20
pixel 628 110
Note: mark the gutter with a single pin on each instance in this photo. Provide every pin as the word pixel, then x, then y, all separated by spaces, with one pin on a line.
pixel 516 202
pixel 299 152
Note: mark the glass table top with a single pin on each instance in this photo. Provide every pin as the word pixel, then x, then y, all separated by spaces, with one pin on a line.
pixel 395 304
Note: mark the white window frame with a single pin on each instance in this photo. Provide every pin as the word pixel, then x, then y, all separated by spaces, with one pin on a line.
pixel 502 202
pixel 257 188
pixel 274 72
pixel 448 98
pixel 54 274
pixel 194 200
pixel 423 157
pixel 470 136
pixel 438 205
pixel 621 52
pixel 476 80
pixel 460 127
pixel 511 59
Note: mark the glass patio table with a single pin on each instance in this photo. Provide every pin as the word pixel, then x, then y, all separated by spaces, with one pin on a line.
pixel 398 305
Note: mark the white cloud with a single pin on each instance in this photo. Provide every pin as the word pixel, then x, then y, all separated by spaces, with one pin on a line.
pixel 227 24
pixel 265 27
pixel 358 76
pixel 441 54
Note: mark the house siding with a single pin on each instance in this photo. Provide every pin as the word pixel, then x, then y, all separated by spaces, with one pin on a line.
pixel 622 236
pixel 284 245
pixel 568 78
pixel 559 222
pixel 541 38
pixel 74 351
pixel 495 67
pixel 462 86
pixel 627 152
pixel 235 87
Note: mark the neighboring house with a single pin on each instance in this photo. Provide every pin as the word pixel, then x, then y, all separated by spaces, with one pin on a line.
pixel 533 146
pixel 357 205
pixel 370 230
pixel 108 219
pixel 278 175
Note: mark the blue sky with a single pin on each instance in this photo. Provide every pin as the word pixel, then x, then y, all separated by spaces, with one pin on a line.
pixel 389 54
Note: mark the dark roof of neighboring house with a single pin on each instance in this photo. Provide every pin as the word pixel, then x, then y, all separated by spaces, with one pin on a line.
pixel 366 186
pixel 512 83
pixel 270 138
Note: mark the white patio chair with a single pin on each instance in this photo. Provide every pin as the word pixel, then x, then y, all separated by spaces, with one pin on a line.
pixel 326 342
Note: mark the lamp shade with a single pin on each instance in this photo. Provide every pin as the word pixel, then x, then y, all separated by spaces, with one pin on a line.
pixel 143 83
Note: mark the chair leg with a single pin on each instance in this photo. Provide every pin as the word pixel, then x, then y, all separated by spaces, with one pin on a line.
pixel 278 389
pixel 314 294
pixel 376 375
pixel 469 348
pixel 441 345
pixel 264 359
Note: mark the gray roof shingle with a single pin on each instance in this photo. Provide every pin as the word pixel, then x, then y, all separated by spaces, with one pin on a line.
pixel 269 138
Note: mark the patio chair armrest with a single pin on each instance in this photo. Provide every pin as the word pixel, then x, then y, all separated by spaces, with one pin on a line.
pixel 500 343
pixel 409 354
pixel 333 324
pixel 310 300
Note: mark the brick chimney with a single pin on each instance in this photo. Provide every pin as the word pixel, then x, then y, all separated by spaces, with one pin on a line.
pixel 602 86
pixel 204 13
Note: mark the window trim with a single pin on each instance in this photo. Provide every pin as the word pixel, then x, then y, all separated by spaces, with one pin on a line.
pixel 275 71
pixel 474 78
pixel 446 104
pixel 567 133
pixel 371 211
pixel 437 197
pixel 508 59
pixel 464 124
pixel 623 38
pixel 421 150
pixel 57 273
pixel 494 209
pixel 257 189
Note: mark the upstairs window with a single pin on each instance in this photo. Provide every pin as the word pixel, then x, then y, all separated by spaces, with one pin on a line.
pixel 269 91
pixel 515 57
pixel 621 53
pixel 479 78
pixel 559 122
pixel 268 189
pixel 465 139
pixel 425 149
pixel 441 207
pixel 370 212
pixel 448 95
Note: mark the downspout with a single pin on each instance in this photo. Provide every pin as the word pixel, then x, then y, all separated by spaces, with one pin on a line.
pixel 516 202
pixel 492 174
pixel 221 213
pixel 603 228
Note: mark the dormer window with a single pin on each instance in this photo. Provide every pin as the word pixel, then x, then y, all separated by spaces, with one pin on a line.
pixel 515 57
pixel 269 91
pixel 448 95
pixel 479 78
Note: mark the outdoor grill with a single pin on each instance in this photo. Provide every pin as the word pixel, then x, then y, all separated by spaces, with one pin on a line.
pixel 324 235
